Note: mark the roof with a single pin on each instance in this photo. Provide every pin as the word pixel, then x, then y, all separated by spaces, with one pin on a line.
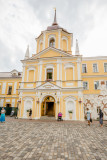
pixel 55 25
pixel 10 75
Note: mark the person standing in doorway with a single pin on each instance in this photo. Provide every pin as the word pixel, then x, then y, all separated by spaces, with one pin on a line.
pixel 30 113
pixel 2 119
pixel 101 118
pixel 88 116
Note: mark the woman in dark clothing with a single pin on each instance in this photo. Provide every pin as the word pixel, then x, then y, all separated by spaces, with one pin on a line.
pixel 101 118
pixel 30 114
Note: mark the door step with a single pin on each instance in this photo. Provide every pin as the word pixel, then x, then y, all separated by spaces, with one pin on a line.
pixel 48 118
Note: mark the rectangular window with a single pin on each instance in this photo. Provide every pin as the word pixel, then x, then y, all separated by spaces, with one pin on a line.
pixel 105 67
pixel 96 85
pixel 49 74
pixel 84 68
pixel 95 68
pixel 85 85
pixel 10 90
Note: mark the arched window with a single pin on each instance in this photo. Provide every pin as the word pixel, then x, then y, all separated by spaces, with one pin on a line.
pixel 52 42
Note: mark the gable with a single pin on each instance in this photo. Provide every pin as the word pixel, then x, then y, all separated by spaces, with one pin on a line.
pixel 48 86
pixel 50 52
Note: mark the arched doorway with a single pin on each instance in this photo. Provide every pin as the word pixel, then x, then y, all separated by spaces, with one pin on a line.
pixel 48 106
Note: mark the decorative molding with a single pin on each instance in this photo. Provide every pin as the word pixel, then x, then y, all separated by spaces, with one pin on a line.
pixel 92 76
pixel 29 85
pixel 70 98
pixel 94 58
pixel 28 98
pixel 65 38
pixel 69 84
pixel 7 100
pixel 48 86
pixel 10 84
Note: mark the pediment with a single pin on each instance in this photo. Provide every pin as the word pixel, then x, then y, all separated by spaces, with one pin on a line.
pixel 48 86
pixel 50 52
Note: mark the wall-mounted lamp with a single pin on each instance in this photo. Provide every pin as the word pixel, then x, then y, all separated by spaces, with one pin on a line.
pixel 38 100
pixel 80 100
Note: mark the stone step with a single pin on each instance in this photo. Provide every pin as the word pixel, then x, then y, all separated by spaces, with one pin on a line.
pixel 48 118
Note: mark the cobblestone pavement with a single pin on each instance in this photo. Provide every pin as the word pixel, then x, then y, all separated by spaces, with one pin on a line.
pixel 43 140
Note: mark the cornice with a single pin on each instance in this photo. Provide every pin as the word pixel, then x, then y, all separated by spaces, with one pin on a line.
pixel 94 58
pixel 93 76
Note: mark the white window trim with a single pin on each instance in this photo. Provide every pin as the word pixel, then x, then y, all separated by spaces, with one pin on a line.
pixel 50 37
pixel 94 85
pixel 103 65
pixel 65 38
pixel 87 85
pixel 86 68
pixel 97 68
pixel 31 69
pixel 49 67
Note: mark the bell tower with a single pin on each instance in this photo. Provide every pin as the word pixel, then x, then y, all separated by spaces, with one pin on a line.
pixel 55 36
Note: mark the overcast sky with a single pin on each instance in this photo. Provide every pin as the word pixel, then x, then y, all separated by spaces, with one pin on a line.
pixel 21 21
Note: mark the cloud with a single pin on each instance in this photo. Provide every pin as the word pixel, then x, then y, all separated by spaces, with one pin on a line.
pixel 23 20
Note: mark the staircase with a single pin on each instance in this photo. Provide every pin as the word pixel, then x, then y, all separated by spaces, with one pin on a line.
pixel 48 118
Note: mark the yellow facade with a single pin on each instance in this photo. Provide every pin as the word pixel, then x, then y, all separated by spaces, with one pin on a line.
pixel 9 98
pixel 53 80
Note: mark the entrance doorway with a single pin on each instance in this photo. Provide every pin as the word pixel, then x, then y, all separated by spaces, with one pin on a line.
pixel 48 107
pixel 8 109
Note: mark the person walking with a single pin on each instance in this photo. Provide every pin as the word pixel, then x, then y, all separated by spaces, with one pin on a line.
pixel 101 118
pixel 2 118
pixel 88 116
pixel 30 113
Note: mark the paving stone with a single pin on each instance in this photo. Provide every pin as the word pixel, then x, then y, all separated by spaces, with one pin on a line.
pixel 43 140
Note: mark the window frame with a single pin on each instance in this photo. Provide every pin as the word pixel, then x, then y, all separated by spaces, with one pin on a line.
pixel 8 90
pixel 47 74
pixel 96 68
pixel 87 85
pixel 82 67
pixel 104 67
pixel 98 85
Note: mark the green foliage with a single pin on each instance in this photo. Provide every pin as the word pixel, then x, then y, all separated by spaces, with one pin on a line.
pixel 70 111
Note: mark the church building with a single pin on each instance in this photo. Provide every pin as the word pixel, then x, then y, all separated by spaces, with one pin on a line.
pixel 54 80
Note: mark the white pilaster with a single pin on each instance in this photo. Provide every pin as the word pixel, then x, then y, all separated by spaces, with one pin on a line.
pixel 15 86
pixel 79 73
pixel 13 102
pixel 22 84
pixel 4 88
pixel 58 73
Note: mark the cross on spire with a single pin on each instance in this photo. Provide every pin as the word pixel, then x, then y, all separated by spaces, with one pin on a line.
pixel 55 21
